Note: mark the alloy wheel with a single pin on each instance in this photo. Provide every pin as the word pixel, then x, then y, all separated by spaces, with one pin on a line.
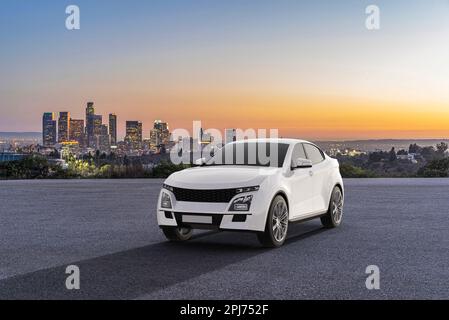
pixel 337 206
pixel 280 221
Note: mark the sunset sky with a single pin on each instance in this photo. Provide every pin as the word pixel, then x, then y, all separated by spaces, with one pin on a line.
pixel 310 69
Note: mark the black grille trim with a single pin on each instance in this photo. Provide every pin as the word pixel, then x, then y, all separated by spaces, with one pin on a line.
pixel 214 196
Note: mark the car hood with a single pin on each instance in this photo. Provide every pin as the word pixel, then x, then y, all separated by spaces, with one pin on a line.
pixel 220 177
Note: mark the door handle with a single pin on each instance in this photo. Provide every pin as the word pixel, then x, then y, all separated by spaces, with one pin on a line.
pixel 311 173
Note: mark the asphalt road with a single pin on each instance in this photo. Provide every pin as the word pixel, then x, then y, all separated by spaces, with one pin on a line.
pixel 108 229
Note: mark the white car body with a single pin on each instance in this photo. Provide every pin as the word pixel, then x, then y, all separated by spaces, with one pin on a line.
pixel 307 191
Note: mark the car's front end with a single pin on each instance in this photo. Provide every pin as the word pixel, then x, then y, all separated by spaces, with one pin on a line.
pixel 226 205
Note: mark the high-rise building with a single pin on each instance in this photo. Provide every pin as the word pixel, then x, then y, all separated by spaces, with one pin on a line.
pixel 230 135
pixel 97 122
pixel 64 127
pixel 77 131
pixel 113 129
pixel 49 129
pixel 90 113
pixel 100 139
pixel 159 136
pixel 103 139
pixel 154 140
pixel 133 136
pixel 160 125
pixel 164 132
pixel 90 109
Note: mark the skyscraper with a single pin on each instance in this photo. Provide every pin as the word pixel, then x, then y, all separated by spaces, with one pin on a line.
pixel 77 131
pixel 90 113
pixel 104 139
pixel 113 129
pixel 133 136
pixel 49 129
pixel 154 138
pixel 97 122
pixel 96 131
pixel 101 141
pixel 160 125
pixel 90 110
pixel 163 131
pixel 64 127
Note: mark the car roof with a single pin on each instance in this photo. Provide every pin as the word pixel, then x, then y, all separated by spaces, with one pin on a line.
pixel 275 140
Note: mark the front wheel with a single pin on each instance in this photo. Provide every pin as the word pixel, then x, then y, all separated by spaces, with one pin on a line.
pixel 334 214
pixel 177 234
pixel 277 224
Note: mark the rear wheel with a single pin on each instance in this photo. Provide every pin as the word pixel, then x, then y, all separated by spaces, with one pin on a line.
pixel 334 214
pixel 277 224
pixel 177 234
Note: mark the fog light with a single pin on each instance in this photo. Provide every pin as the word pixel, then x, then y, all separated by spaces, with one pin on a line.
pixel 241 203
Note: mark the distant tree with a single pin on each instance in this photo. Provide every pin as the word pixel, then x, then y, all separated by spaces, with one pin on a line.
pixel 349 171
pixel 441 149
pixel 428 153
pixel 402 152
pixel 125 160
pixel 392 155
pixel 165 168
pixel 414 148
pixel 32 167
pixel 377 156
pixel 112 156
pixel 54 154
pixel 436 168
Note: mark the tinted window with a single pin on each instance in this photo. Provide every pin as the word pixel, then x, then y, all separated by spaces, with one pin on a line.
pixel 298 152
pixel 313 153
pixel 251 154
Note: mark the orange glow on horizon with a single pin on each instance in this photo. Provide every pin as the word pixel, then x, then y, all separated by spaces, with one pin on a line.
pixel 310 118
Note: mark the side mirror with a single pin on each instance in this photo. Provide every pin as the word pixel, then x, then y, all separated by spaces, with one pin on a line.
pixel 301 163
pixel 200 162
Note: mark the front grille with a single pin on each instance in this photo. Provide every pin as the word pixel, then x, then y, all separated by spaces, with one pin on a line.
pixel 191 195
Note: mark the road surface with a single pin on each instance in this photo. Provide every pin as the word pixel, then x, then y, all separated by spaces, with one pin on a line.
pixel 108 229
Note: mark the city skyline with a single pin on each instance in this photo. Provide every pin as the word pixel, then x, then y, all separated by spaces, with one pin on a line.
pixel 60 131
pixel 311 70
pixel 91 119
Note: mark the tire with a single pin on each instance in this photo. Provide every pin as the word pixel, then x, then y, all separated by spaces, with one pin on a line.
pixel 276 227
pixel 177 234
pixel 334 214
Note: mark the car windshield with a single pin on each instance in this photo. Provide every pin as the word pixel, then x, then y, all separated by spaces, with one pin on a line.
pixel 251 154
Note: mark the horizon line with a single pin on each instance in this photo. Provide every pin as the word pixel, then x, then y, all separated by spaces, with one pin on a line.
pixel 286 137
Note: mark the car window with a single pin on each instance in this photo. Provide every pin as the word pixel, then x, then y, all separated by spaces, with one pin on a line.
pixel 313 153
pixel 251 154
pixel 298 152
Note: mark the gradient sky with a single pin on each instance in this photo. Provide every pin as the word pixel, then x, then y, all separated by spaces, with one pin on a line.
pixel 310 69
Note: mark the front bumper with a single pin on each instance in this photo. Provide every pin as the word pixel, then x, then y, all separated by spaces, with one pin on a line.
pixel 222 218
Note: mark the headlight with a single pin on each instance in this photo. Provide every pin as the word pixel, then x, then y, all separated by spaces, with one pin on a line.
pixel 241 203
pixel 247 189
pixel 166 186
pixel 165 201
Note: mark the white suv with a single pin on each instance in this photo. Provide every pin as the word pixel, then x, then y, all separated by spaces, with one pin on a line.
pixel 258 185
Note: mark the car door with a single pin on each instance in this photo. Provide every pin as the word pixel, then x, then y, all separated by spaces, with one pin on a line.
pixel 302 202
pixel 319 176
